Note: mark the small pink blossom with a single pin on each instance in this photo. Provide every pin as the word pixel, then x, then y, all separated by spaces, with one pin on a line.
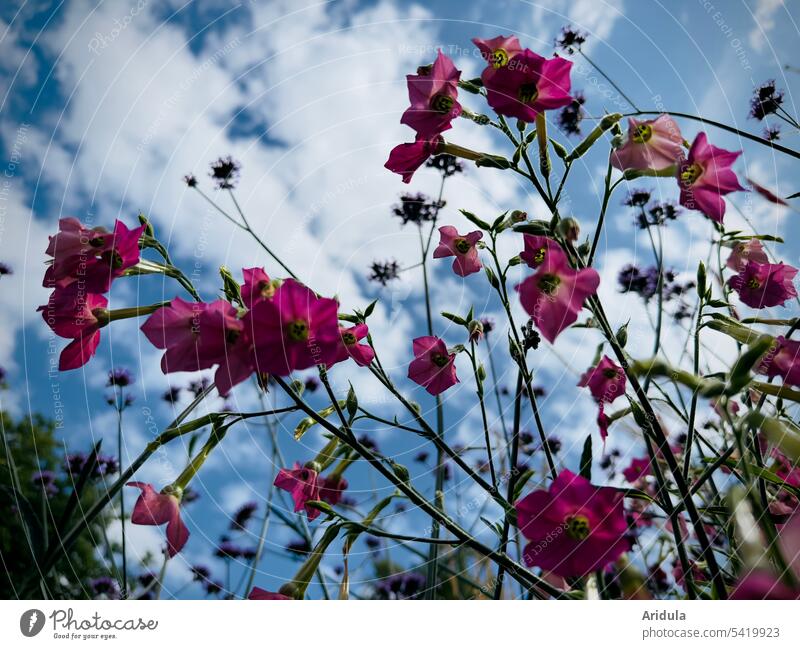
pixel 637 469
pixel 555 294
pixel 433 367
pixel 260 593
pixel 528 85
pixel 764 285
pixel 94 256
pixel 153 508
pixel 782 359
pixel 72 313
pixel 651 144
pixel 349 346
pixel 497 52
pixel 538 248
pixel 745 251
pixel 405 159
pixel 462 247
pixel 294 330
pixel 303 484
pixel 257 286
pixel 573 527
pixel 434 98
pixel 606 380
pixel 706 176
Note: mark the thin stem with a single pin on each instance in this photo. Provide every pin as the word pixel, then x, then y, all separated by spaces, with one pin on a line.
pixel 487 437
pixel 607 78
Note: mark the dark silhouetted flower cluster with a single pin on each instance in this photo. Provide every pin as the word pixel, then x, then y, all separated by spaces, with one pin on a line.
pixel 570 39
pixel 384 272
pixel 657 214
pixel 570 117
pixel 407 585
pixel 224 173
pixel 119 377
pixel 447 164
pixel 766 100
pixel 105 465
pixel 417 208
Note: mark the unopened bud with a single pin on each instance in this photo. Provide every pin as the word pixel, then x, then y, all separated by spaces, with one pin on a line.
pixel 569 228
pixel 475 328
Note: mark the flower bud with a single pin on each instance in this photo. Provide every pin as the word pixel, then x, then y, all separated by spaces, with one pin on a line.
pixel 569 228
pixel 475 328
pixel 518 216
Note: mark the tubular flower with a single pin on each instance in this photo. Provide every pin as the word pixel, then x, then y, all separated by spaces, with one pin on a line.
pixel 153 508
pixel 782 359
pixel 405 159
pixel 460 246
pixel 538 248
pixel 606 381
pixel 764 285
pixel 528 85
pixel 72 313
pixel 745 251
pixel 257 286
pixel 303 484
pixel 293 331
pixel 554 295
pixel 349 346
pixel 651 144
pixel 573 527
pixel 497 52
pixel 433 367
pixel 434 98
pixel 705 176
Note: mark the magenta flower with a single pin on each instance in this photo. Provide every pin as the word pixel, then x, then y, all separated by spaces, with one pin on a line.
pixel 350 348
pixel 303 484
pixel 764 285
pixel 497 52
pixel 433 367
pixel 460 246
pixel 606 380
pixel 573 527
pixel 434 98
pixel 72 313
pixel 638 469
pixel 651 144
pixel 260 593
pixel 294 330
pixel 332 488
pixel 528 85
pixel 95 256
pixel 257 286
pixel 153 508
pixel 405 159
pixel 763 584
pixel 706 176
pixel 537 248
pixel 554 295
pixel 782 359
pixel 745 251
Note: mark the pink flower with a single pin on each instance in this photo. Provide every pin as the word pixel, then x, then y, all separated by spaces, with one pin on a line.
pixel 405 159
pixel 763 585
pixel 782 359
pixel 764 285
pixel 603 422
pixel 260 593
pixel 294 330
pixel 332 488
pixel 349 347
pixel 257 286
pixel 638 469
pixel 433 367
pixel 153 508
pixel 651 144
pixel 706 176
pixel 433 94
pixel 528 85
pixel 537 248
pixel 93 255
pixel 789 542
pixel 497 52
pixel 303 484
pixel 72 313
pixel 573 527
pixel 606 381
pixel 554 295
pixel 460 246
pixel 745 251
pixel 198 335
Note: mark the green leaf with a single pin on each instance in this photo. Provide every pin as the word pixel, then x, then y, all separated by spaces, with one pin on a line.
pixel 586 458
pixel 483 225
pixel 520 482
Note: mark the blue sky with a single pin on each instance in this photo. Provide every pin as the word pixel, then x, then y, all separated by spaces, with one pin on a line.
pixel 103 109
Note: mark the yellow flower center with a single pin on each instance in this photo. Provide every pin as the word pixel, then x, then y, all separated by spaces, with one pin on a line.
pixel 462 245
pixel 753 283
pixel 691 173
pixel 539 255
pixel 549 283
pixel 499 58
pixel 642 133
pixel 298 330
pixel 577 527
pixel 442 103
pixel 348 338
pixel 528 92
